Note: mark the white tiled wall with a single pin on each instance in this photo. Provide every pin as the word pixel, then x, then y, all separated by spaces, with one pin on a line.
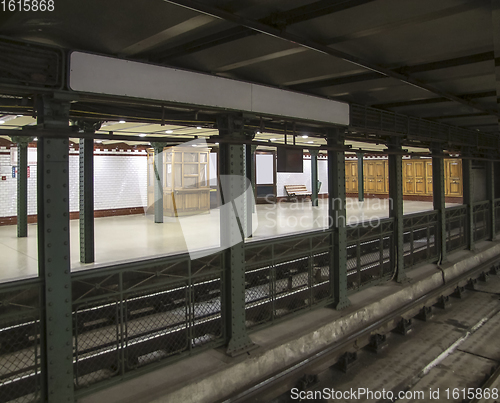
pixel 119 182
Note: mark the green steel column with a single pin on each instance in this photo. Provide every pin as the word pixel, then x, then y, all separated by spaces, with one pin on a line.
pixel 337 218
pixel 396 206
pixel 158 193
pixel 490 188
pixel 54 254
pixel 314 176
pixel 232 226
pixel 468 190
pixel 87 252
pixel 438 188
pixel 249 168
pixel 361 182
pixel 22 184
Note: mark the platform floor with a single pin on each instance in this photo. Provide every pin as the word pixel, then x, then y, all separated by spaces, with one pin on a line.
pixel 124 238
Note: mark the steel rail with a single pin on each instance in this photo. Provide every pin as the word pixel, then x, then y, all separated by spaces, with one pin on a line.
pixel 294 371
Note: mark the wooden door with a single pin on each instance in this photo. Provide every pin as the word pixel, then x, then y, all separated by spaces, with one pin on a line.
pixel 370 177
pixel 354 177
pixel 428 178
pixel 419 172
pixel 380 177
pixel 348 176
pixel 455 177
pixel 408 178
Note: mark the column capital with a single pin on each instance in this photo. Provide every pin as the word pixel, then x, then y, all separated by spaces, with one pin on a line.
pixel 232 125
pixel 313 151
pixel 158 146
pixel 89 126
pixel 22 140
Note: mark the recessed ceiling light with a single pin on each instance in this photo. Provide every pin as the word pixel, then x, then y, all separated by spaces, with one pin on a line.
pixel 19 116
pixel 2 122
pixel 310 142
pixel 258 132
pixel 98 141
pixel 35 139
pixel 122 121
pixel 194 145
pixel 216 144
pixel 305 136
pixel 272 139
pixel 199 127
pixel 142 135
pixel 169 131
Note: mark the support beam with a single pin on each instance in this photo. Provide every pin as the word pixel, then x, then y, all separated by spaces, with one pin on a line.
pixel 54 254
pixel 438 198
pixel 233 182
pixel 22 184
pixel 490 190
pixel 250 175
pixel 158 192
pixel 314 177
pixel 86 156
pixel 396 207
pixel 278 33
pixel 361 180
pixel 337 219
pixel 468 192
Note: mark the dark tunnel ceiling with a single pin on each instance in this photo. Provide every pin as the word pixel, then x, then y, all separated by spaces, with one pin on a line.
pixel 446 44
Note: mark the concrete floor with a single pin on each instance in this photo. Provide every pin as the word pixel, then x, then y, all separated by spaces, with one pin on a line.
pixel 124 238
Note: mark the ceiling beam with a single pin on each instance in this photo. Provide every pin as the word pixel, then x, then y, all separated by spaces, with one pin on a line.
pixel 280 20
pixel 426 101
pixel 326 50
pixel 419 68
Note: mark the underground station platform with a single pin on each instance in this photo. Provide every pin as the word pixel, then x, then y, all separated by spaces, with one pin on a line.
pixel 249 201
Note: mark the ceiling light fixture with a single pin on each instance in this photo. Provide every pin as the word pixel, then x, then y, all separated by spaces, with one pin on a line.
pixel 169 131
pixel 142 135
pixel 35 139
pixel 310 142
pixel 122 121
pixel 2 122
pixel 305 136
pixel 272 139
pixel 258 132
pixel 198 127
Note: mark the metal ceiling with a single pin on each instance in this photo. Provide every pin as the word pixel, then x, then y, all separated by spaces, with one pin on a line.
pixel 427 59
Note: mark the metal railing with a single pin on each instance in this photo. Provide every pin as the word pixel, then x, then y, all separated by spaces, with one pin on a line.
pixel 419 239
pixel 481 220
pixel 20 354
pixel 285 275
pixel 369 253
pixel 456 227
pixel 132 315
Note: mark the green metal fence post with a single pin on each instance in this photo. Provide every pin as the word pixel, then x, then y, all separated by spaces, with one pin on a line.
pixel 396 206
pixel 337 218
pixel 361 182
pixel 314 176
pixel 54 253
pixel 439 199
pixel 468 184
pixel 249 169
pixel 22 184
pixel 158 192
pixel 86 157
pixel 490 188
pixel 232 167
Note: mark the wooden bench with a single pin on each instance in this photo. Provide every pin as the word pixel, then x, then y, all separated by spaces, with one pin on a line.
pixel 296 191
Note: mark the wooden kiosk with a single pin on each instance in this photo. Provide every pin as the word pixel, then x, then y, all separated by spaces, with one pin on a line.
pixel 185 175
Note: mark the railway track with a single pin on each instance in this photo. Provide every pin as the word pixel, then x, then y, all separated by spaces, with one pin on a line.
pixel 307 375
